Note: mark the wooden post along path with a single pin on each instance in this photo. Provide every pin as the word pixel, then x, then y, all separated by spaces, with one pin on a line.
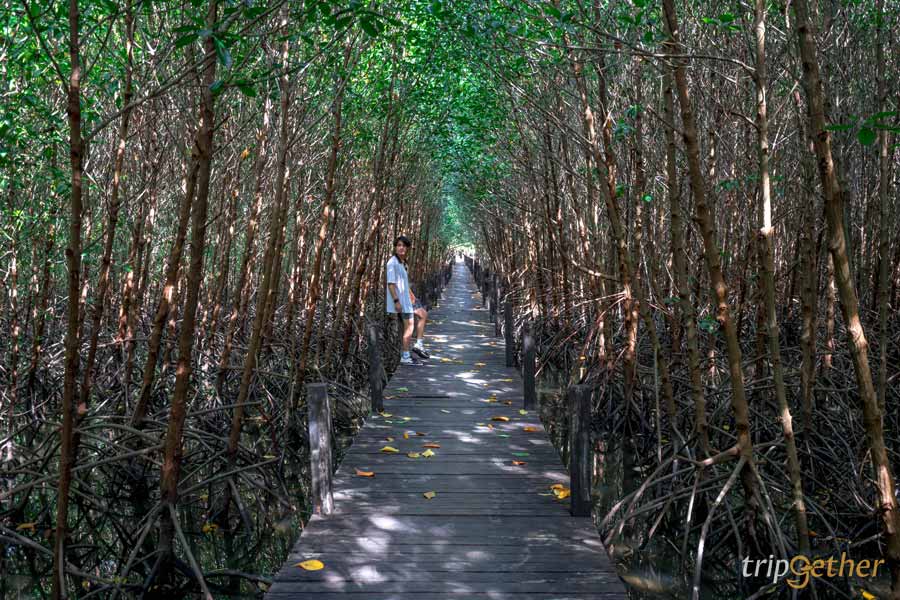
pixel 449 493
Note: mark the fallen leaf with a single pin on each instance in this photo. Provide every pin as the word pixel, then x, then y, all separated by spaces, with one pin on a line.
pixel 413 454
pixel 492 400
pixel 431 445
pixel 311 564
pixel 405 436
pixel 365 473
pixel 24 526
pixel 428 454
pixel 480 364
pixel 429 495
pixel 386 415
pixel 557 486
pixel 508 403
pixel 519 463
pixel 402 389
pixel 490 426
pixel 506 380
pixel 389 449
pixel 500 418
pixel 530 428
pixel 389 439
pixel 563 494
pixel 443 410
pixel 522 411
pixel 420 433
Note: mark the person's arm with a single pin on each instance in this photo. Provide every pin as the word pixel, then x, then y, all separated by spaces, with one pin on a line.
pixel 392 288
pixel 412 297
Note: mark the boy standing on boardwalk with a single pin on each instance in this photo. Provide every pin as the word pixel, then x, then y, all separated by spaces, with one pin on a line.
pixel 401 300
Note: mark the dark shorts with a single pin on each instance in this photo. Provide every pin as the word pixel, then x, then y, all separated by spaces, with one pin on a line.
pixel 417 304
pixel 406 316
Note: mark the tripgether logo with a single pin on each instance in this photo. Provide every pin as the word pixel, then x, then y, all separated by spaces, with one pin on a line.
pixel 804 568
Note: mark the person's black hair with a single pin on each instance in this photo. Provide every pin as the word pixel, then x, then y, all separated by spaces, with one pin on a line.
pixel 405 241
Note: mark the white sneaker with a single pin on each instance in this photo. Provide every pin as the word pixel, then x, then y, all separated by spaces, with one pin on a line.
pixel 420 350
pixel 407 360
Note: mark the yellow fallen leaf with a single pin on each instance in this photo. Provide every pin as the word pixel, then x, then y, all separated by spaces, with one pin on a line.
pixel 406 436
pixel 557 486
pixel 530 429
pixel 365 473
pixel 428 454
pixel 311 564
pixel 389 449
pixel 480 364
pixel 508 403
pixel 24 526
pixel 492 400
pixel 522 411
pixel 389 439
pixel 563 494
pixel 429 495
pixel 868 595
pixel 506 380
pixel 431 445
pixel 500 418
pixel 490 426
pixel 384 414
pixel 479 423
pixel 413 454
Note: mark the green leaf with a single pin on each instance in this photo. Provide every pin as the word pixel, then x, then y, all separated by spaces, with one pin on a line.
pixel 647 198
pixel 866 136
pixel 247 89
pixel 185 40
pixel 368 27
pixel 222 52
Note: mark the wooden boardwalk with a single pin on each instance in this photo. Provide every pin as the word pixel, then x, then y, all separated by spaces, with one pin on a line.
pixel 493 529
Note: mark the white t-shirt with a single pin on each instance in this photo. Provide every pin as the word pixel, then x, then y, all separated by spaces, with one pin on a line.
pixel 396 274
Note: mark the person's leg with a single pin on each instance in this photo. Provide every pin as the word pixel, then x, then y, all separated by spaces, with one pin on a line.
pixel 407 332
pixel 420 326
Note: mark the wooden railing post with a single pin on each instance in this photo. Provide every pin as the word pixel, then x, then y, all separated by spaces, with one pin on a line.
pixel 320 447
pixel 376 396
pixel 528 370
pixel 580 450
pixel 495 307
pixel 508 332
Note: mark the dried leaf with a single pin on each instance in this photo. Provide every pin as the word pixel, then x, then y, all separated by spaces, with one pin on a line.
pixel 508 403
pixel 311 564
pixel 386 414
pixel 413 454
pixel 430 495
pixel 365 473
pixel 420 433
pixel 530 428
pixel 389 439
pixel 480 364
pixel 406 436
pixel 519 463
pixel 428 454
pixel 563 494
pixel 522 411
pixel 500 418
pixel 389 449
pixel 431 445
